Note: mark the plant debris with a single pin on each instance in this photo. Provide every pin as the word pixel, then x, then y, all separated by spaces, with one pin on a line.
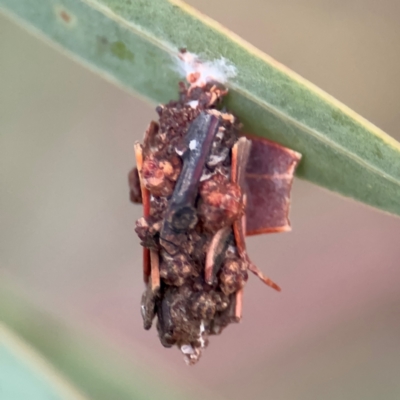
pixel 191 178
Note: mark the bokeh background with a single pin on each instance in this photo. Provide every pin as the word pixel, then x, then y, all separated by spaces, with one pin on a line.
pixel 67 228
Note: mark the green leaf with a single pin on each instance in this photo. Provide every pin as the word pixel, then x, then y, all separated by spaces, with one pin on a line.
pixel 135 42
pixel 24 374
pixel 94 367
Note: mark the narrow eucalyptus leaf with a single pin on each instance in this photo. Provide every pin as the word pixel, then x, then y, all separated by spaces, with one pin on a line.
pixel 135 44
pixel 94 366
pixel 25 374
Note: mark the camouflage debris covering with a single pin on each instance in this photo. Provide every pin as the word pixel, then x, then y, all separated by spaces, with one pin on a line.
pixel 188 309
pixel 191 181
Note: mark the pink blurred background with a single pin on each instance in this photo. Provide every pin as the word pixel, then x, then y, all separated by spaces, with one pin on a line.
pixel 66 224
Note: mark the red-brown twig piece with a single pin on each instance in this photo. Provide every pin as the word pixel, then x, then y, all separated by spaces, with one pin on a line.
pixel 146 208
pixel 155 270
pixel 239 304
pixel 216 250
pixel 264 278
pixel 240 154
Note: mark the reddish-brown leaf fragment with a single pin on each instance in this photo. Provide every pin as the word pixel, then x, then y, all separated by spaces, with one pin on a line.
pixel 241 153
pixel 269 177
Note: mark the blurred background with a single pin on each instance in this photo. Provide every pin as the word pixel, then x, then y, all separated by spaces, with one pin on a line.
pixel 69 249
